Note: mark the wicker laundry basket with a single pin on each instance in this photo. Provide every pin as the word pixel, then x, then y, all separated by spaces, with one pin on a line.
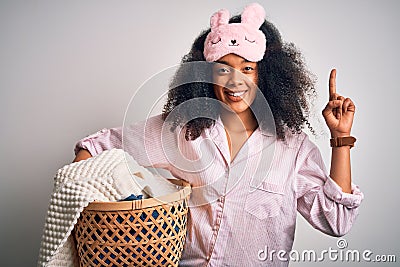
pixel 148 232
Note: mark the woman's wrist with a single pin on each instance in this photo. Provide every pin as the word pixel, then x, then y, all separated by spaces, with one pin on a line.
pixel 339 134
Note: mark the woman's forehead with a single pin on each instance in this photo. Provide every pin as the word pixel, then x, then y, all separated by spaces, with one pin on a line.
pixel 233 59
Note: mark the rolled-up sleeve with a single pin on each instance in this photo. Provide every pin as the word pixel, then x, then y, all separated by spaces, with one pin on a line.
pixel 100 141
pixel 333 191
pixel 142 140
pixel 320 200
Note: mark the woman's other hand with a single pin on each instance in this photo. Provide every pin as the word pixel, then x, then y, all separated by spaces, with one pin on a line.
pixel 82 155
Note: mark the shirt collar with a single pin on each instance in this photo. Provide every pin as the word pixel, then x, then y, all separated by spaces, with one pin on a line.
pixel 218 135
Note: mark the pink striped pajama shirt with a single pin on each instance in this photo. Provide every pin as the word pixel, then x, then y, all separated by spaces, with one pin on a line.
pixel 242 206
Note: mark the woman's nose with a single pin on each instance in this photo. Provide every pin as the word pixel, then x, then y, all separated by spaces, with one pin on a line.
pixel 235 78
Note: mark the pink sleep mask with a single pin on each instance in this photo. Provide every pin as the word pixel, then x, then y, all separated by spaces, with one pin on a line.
pixel 243 39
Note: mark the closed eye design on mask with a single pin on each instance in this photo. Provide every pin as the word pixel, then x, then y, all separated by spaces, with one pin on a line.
pixel 219 40
pixel 249 40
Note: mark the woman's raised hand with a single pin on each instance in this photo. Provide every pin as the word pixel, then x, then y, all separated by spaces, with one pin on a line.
pixel 339 112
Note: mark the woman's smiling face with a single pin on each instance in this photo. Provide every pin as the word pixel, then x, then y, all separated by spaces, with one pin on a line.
pixel 235 82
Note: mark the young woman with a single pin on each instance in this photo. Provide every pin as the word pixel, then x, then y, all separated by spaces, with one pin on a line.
pixel 250 165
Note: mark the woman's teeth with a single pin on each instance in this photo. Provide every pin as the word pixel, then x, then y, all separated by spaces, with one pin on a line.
pixel 236 94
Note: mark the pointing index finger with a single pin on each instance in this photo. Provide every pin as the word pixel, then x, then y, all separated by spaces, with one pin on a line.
pixel 332 84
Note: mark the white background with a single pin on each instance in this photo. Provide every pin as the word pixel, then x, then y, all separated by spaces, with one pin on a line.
pixel 69 68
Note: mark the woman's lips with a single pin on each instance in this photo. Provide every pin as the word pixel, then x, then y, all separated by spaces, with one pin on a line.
pixel 235 96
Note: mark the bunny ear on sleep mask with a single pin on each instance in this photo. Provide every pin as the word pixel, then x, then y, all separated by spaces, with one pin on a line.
pixel 243 39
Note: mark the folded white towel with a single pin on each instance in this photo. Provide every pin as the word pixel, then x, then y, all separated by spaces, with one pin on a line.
pixel 105 177
pixel 151 185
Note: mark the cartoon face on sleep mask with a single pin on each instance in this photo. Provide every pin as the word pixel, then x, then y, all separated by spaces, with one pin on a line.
pixel 243 39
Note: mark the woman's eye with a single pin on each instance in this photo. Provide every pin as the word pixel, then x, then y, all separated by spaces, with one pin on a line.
pixel 248 68
pixel 223 70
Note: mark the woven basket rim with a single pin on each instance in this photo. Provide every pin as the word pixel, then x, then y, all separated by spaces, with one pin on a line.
pixel 144 203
